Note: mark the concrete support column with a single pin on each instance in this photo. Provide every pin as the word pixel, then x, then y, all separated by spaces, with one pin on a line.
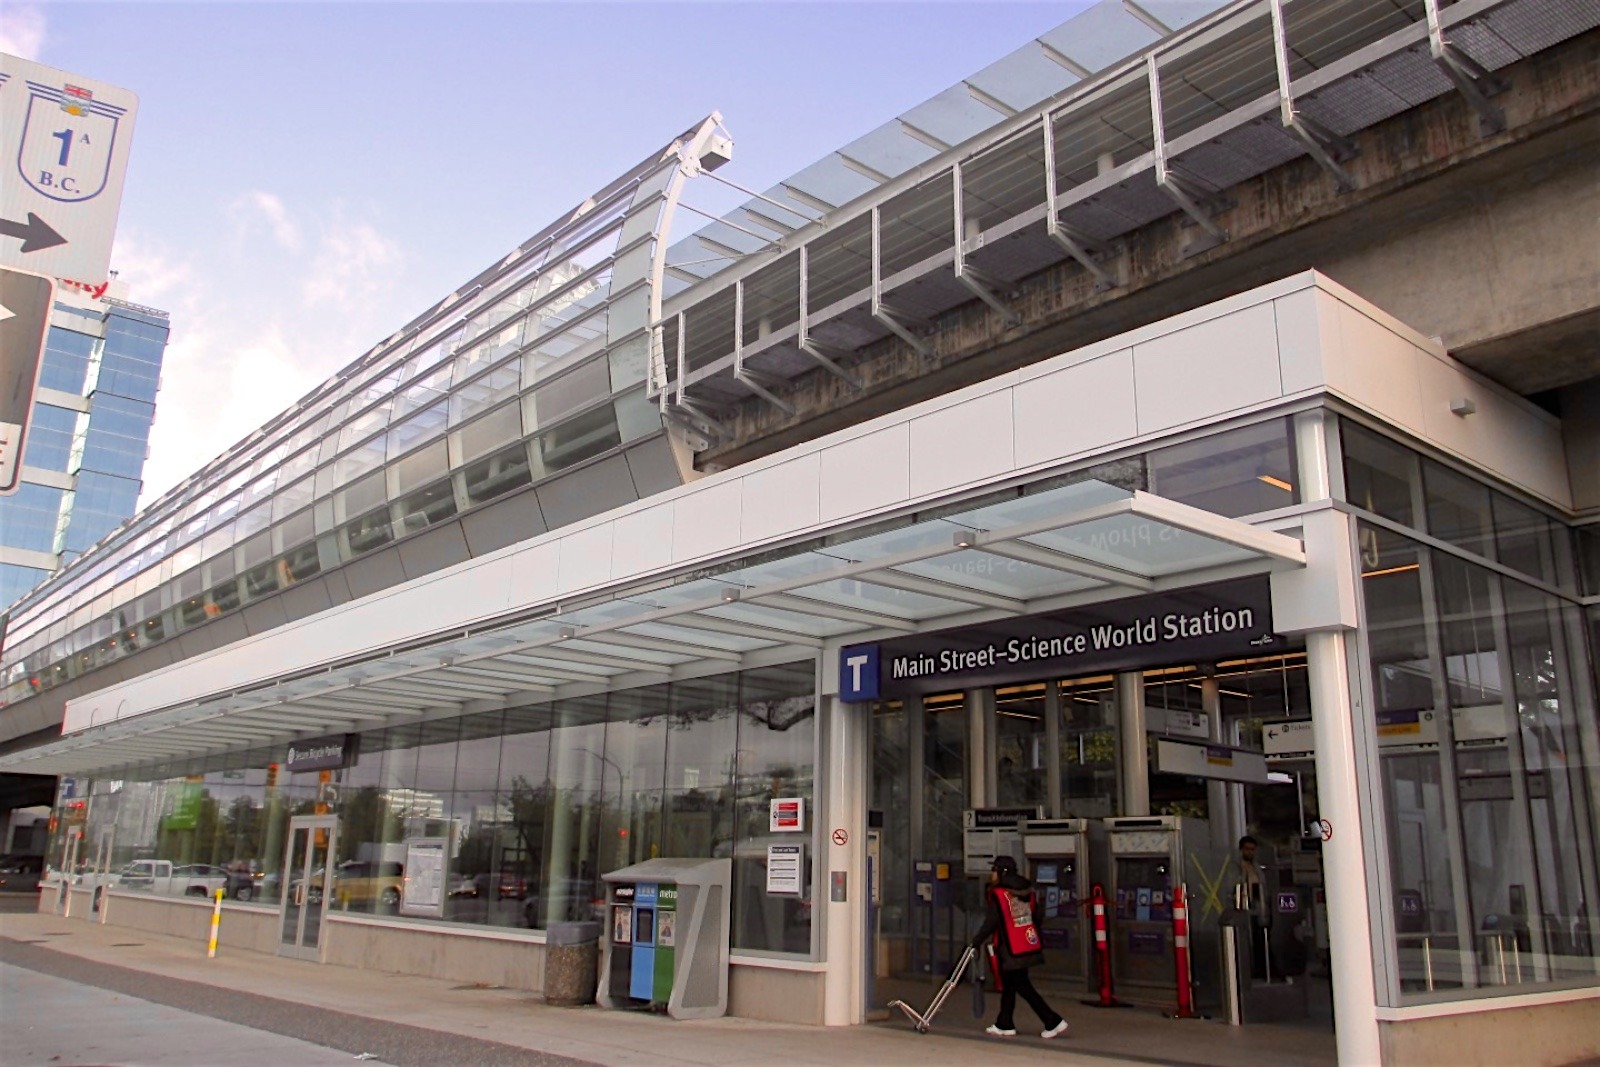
pixel 1345 864
pixel 1132 748
pixel 1222 814
pixel 842 813
pixel 981 757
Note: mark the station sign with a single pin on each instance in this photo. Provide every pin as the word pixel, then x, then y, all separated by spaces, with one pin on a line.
pixel 321 754
pixel 1209 622
pixel 64 142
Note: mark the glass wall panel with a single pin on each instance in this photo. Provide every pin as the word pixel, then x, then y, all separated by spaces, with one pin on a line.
pixel 1022 756
pixel 1483 706
pixel 577 778
pixel 1089 747
pixel 524 799
pixel 775 758
pixel 1239 472
pixel 944 770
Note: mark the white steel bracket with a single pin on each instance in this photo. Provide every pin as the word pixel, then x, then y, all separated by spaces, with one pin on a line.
pixel 827 356
pixel 1470 78
pixel 763 385
pixel 897 321
pixel 1182 193
pixel 1079 248
pixel 1326 147
pixel 978 282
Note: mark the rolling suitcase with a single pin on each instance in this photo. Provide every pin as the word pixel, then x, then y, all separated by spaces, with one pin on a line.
pixel 923 1020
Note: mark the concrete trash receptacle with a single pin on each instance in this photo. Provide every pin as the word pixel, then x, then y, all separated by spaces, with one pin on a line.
pixel 571 963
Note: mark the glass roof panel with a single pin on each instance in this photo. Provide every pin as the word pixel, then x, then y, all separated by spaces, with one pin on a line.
pixel 954 115
pixel 889 150
pixel 880 599
pixel 1100 36
pixel 1062 501
pixel 1023 78
pixel 996 574
pixel 1144 546
pixel 813 625
pixel 924 535
pixel 708 638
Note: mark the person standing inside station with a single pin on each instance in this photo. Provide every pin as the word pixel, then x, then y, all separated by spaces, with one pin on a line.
pixel 1015 946
pixel 1253 890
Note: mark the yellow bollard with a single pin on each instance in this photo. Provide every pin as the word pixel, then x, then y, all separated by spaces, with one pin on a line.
pixel 216 921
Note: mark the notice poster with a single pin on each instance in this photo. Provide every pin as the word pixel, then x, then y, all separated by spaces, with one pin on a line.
pixel 621 926
pixel 666 928
pixel 422 891
pixel 785 870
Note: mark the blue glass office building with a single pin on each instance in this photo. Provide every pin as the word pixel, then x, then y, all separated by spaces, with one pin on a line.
pixel 86 447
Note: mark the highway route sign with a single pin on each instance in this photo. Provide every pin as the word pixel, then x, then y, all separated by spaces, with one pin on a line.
pixel 63 153
pixel 25 301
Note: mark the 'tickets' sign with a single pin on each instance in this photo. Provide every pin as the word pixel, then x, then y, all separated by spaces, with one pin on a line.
pixel 1205 623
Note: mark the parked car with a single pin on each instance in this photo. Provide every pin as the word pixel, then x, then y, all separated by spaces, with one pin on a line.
pixel 363 882
pixel 199 880
pixel 21 874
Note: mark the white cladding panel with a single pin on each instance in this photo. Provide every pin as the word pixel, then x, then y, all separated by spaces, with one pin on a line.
pixel 1376 367
pixel 643 540
pixel 707 522
pixel 967 442
pixel 585 558
pixel 1198 367
pixel 1308 335
pixel 782 499
pixel 1079 409
pixel 865 474
pixel 1212 368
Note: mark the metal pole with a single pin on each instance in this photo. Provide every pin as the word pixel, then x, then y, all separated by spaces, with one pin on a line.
pixel 1427 960
pixel 1230 975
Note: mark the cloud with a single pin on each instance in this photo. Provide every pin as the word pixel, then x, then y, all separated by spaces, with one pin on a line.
pixel 353 262
pixel 257 325
pixel 22 30
pixel 258 206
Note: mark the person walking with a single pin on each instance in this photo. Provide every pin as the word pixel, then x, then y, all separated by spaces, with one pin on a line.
pixel 1014 945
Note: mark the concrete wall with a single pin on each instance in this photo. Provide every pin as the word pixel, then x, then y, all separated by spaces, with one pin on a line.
pixel 253 929
pixel 455 955
pixel 1546 1035
pixel 779 996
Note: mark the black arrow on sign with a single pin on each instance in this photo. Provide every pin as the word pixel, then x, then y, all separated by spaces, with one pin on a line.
pixel 36 234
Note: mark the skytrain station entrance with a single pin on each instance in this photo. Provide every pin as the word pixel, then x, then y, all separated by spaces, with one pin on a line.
pixel 1130 781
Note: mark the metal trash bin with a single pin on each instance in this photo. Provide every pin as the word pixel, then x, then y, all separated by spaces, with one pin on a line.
pixel 571 963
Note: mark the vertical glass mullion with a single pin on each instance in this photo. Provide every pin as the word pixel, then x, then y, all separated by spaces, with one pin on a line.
pixel 1520 812
pixel 1449 773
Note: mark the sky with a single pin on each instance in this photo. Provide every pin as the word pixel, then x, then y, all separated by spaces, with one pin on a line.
pixel 306 178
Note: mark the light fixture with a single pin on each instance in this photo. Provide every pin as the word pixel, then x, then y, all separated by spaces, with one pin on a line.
pixel 1390 570
pixel 966 539
pixel 1463 406
pixel 730 596
pixel 566 633
pixel 1276 483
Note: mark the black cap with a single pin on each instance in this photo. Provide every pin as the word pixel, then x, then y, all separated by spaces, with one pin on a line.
pixel 1004 864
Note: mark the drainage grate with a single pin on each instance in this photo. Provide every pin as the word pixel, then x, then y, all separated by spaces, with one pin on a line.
pixel 128 944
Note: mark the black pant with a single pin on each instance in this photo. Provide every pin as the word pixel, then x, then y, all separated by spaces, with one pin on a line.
pixel 1014 984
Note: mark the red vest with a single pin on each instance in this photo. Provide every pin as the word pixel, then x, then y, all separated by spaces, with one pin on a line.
pixel 1020 936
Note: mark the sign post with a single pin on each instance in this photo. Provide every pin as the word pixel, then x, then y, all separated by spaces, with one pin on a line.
pixel 25 301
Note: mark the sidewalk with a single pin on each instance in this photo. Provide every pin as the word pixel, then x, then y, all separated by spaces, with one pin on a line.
pixel 423 1021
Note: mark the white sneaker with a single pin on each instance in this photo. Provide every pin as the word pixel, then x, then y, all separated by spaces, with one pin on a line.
pixel 995 1031
pixel 1055 1031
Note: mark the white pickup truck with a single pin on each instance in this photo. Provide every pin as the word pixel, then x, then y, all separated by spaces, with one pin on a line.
pixel 160 876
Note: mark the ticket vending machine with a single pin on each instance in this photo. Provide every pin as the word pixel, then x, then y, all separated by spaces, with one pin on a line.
pixel 1060 857
pixel 1149 857
pixel 665 940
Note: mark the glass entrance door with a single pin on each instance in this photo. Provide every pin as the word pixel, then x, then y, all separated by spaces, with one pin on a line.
pixel 309 877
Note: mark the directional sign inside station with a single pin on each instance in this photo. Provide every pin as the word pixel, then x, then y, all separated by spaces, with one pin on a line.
pixel 25 301
pixel 63 152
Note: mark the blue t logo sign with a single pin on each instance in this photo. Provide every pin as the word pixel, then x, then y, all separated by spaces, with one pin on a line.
pixel 858 673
